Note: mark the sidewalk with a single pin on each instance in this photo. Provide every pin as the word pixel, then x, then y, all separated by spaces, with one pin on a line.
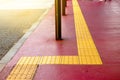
pixel 44 44
pixel 104 27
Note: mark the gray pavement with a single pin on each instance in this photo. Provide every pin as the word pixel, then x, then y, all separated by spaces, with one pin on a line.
pixel 15 23
pixel 9 46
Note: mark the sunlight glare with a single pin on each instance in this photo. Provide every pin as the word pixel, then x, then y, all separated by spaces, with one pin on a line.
pixel 25 4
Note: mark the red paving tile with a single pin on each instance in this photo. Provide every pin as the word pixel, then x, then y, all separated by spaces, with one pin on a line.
pixel 102 29
pixel 76 72
pixel 103 21
pixel 43 38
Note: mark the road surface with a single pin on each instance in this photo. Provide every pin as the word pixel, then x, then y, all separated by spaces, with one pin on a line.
pixel 16 17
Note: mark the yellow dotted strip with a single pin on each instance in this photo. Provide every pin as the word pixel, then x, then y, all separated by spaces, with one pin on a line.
pixel 87 50
pixel 59 60
pixel 24 69
pixel 26 66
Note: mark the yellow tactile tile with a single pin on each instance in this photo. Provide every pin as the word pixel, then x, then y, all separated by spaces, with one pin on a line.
pixel 36 60
pixel 76 60
pixel 87 50
pixel 24 69
pixel 70 60
pixel 58 60
pixel 53 60
pixel 48 60
pixel 22 60
pixel 26 66
pixel 41 59
pixel 63 59
pixel 66 60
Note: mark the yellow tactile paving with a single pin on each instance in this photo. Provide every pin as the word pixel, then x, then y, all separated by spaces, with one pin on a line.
pixel 62 59
pixel 65 60
pixel 26 66
pixel 53 60
pixel 70 60
pixel 48 60
pixel 58 60
pixel 24 69
pixel 76 60
pixel 87 50
pixel 41 60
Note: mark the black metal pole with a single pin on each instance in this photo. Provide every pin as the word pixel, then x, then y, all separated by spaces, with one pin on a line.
pixel 58 19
